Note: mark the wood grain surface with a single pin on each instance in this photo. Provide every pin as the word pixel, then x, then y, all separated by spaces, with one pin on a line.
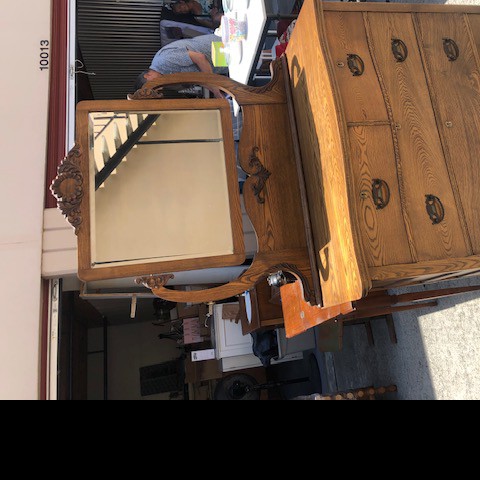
pixel 279 221
pixel 436 267
pixel 474 21
pixel 362 96
pixel 456 94
pixel 384 234
pixel 421 164
pixel 324 149
pixel 399 7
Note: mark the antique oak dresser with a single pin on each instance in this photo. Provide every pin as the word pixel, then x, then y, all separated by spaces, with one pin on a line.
pixel 362 155
pixel 387 108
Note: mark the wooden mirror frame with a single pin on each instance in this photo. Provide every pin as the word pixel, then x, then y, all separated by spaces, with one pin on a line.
pixel 273 193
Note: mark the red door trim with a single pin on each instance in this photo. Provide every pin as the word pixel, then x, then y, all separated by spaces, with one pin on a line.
pixel 56 148
pixel 57 116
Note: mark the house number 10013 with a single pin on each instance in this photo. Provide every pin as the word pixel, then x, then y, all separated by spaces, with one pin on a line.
pixel 44 55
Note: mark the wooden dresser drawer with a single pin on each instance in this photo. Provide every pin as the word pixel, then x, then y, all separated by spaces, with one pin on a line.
pixel 381 220
pixel 451 59
pixel 474 21
pixel 422 167
pixel 362 96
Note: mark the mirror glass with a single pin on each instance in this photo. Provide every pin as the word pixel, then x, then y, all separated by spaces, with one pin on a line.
pixel 161 190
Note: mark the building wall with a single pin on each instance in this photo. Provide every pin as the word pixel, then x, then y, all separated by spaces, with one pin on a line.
pixel 23 127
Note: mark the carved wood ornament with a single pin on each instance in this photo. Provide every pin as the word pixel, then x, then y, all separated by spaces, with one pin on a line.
pixel 154 282
pixel 261 175
pixel 148 94
pixel 68 188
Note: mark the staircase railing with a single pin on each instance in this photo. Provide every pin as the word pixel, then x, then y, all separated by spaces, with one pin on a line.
pixel 133 139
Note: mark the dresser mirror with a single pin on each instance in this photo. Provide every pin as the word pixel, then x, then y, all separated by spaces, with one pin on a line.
pixel 152 187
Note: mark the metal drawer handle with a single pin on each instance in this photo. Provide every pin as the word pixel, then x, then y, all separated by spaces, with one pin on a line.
pixel 400 50
pixel 435 209
pixel 380 193
pixel 451 49
pixel 356 65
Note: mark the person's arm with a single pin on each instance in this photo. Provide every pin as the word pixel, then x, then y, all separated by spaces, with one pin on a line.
pixel 214 21
pixel 201 61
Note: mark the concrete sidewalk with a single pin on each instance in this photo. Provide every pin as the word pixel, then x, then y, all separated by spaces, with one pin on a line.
pixel 437 355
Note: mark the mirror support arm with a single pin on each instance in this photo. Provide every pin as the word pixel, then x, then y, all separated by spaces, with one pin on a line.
pixel 244 95
pixel 263 265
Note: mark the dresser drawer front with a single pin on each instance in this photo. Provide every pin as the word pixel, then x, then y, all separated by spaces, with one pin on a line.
pixel 422 167
pixel 451 56
pixel 381 220
pixel 362 96
pixel 474 21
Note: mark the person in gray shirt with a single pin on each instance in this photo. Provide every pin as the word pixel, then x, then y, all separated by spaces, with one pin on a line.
pixel 191 55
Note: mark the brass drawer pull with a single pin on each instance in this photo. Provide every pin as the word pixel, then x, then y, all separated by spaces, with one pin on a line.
pixel 381 194
pixel 435 209
pixel 356 65
pixel 451 49
pixel 400 50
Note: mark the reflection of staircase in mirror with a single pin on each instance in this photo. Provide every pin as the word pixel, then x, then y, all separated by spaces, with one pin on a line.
pixel 116 137
pixel 112 132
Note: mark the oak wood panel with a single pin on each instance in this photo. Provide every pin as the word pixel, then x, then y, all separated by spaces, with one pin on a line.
pixel 399 7
pixel 456 93
pixel 435 267
pixel 426 279
pixel 474 21
pixel 362 96
pixel 278 221
pixel 303 189
pixel 421 163
pixel 387 284
pixel 409 282
pixel 384 234
pixel 323 140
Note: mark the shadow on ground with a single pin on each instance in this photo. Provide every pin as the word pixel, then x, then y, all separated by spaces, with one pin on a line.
pixel 437 355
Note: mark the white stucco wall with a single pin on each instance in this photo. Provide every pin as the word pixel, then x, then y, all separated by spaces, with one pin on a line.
pixel 23 133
